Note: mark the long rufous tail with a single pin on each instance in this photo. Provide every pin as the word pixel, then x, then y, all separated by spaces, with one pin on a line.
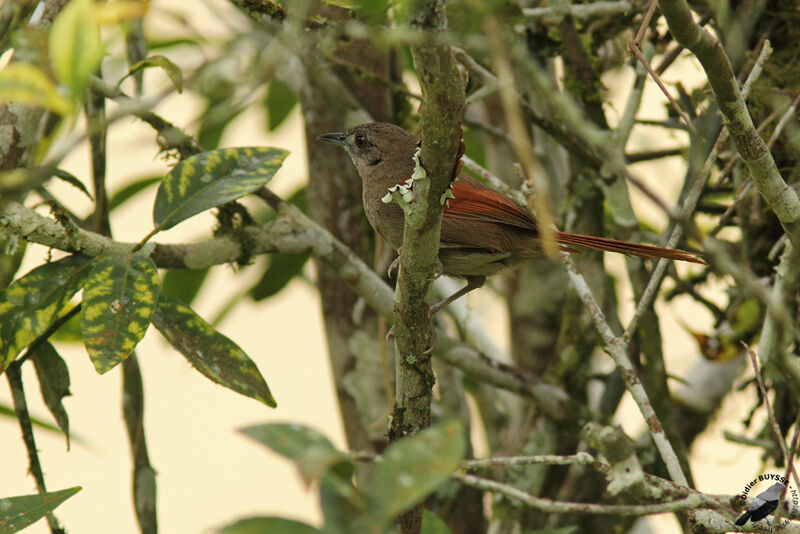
pixel 624 247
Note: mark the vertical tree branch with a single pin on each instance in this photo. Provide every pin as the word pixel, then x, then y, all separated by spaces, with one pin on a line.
pixel 443 107
pixel 616 347
pixel 144 476
pixel 14 377
pixel 780 197
pixel 443 96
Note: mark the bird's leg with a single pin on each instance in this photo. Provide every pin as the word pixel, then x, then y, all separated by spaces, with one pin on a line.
pixel 473 282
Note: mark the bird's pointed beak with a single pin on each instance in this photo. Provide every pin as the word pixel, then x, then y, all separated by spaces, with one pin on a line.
pixel 337 138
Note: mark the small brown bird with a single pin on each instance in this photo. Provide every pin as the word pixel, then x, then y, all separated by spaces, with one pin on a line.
pixel 483 231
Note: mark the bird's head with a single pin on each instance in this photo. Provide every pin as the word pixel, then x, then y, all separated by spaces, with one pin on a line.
pixel 378 149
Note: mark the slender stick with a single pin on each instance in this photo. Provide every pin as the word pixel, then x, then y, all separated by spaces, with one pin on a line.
pixel 634 48
pixel 581 458
pixel 690 201
pixel 690 502
pixel 776 429
pixel 617 348
pixel 14 377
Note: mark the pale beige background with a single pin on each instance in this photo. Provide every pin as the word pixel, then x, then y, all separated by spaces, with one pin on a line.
pixel 208 474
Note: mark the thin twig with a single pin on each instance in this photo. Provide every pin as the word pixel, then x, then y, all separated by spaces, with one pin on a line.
pixel 580 11
pixel 648 16
pixel 691 502
pixel 690 202
pixel 617 348
pixel 581 458
pixel 646 191
pixel 14 377
pixel 363 71
pixel 781 198
pixel 632 46
pixel 649 155
pixel 776 429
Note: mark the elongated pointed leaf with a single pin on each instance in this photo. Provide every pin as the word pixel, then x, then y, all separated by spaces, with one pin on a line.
pixel 211 179
pixel 172 70
pixel 53 376
pixel 213 354
pixel 31 304
pixel 17 513
pixel 282 268
pixel 75 47
pixel 73 181
pixel 309 449
pixel 183 284
pixel 119 298
pixel 132 189
pixel 26 84
pixel 8 411
pixel 415 466
pixel 268 525
pixel 10 262
pixel 280 101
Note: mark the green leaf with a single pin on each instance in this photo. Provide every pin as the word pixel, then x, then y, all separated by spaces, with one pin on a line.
pixel 11 260
pixel 213 354
pixel 216 118
pixel 17 513
pixel 268 525
pixel 172 70
pixel 130 190
pixel 280 101
pixel 571 529
pixel 119 298
pixel 72 180
pixel 158 44
pixel 75 47
pixel 183 284
pixel 213 178
pixel 415 466
pixel 300 199
pixel 346 4
pixel 26 84
pixel 475 147
pixel 309 449
pixel 31 304
pixel 343 505
pixel 282 268
pixel 53 376
pixel 8 411
pixel 433 524
pixel 70 332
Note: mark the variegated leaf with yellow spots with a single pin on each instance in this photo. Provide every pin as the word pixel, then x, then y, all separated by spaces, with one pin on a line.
pixel 32 303
pixel 213 354
pixel 211 179
pixel 119 298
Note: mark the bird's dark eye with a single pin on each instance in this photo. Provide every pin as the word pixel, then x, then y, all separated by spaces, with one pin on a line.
pixel 361 141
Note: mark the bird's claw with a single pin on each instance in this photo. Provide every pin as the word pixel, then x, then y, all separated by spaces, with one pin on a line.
pixel 439 269
pixel 429 350
pixel 393 268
